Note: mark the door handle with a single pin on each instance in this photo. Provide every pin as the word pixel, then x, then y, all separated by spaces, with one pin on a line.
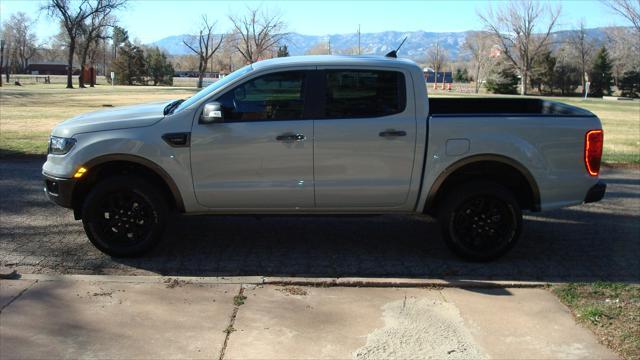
pixel 291 137
pixel 390 133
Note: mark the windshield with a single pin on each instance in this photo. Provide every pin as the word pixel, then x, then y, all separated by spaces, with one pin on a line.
pixel 213 87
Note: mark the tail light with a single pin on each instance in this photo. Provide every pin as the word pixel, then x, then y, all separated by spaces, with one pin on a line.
pixel 593 142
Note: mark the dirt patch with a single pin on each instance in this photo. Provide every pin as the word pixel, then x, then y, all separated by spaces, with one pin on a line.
pixel 420 329
pixel 174 283
pixel 292 290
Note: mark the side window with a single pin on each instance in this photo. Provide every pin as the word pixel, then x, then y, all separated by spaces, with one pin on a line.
pixel 277 96
pixel 364 93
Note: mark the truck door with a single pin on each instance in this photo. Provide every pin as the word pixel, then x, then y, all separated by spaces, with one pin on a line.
pixel 261 155
pixel 365 140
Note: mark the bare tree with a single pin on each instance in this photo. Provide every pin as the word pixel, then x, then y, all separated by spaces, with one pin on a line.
pixel 91 32
pixel 203 45
pixel 257 33
pixel 583 47
pixel 517 28
pixel 478 46
pixel 20 40
pixel 437 57
pixel 73 14
pixel 629 9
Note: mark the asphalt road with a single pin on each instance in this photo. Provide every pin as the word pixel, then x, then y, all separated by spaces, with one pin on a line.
pixel 599 241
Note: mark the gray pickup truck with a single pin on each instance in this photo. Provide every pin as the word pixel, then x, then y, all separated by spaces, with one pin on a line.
pixel 325 135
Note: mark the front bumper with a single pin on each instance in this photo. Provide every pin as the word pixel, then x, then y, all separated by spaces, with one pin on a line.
pixel 59 190
pixel 596 193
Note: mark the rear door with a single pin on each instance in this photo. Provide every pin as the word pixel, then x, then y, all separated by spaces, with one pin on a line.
pixel 261 156
pixel 365 140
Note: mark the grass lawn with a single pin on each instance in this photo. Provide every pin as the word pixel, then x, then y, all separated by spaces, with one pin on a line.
pixel 610 310
pixel 28 113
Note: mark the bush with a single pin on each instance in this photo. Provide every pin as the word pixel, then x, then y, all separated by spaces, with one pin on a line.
pixel 629 84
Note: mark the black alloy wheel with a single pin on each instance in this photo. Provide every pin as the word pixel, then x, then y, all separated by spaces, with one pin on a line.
pixel 124 216
pixel 480 221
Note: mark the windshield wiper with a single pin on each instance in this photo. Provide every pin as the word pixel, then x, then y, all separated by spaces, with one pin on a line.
pixel 172 106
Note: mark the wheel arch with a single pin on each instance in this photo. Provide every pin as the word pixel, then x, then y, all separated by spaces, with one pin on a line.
pixel 102 166
pixel 501 169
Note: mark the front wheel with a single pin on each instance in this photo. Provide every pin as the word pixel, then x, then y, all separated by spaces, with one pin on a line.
pixel 124 216
pixel 480 221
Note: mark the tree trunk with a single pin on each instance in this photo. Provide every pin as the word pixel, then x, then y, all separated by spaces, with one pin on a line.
pixel 477 79
pixel 201 74
pixel 72 49
pixel 525 79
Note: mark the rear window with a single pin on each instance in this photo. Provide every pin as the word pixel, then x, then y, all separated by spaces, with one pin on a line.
pixel 364 93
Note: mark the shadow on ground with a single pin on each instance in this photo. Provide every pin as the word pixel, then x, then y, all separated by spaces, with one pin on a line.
pixel 592 242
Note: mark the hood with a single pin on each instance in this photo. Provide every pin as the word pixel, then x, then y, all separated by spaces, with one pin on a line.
pixel 111 119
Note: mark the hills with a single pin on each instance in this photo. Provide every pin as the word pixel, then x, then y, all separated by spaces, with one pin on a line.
pixel 375 43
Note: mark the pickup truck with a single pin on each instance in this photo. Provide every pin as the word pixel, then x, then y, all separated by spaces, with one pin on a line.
pixel 325 135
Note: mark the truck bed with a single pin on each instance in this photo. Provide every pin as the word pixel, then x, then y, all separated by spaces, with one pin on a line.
pixel 492 106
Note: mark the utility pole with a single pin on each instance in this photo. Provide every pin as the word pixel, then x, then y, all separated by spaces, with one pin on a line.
pixel 359 39
pixel 329 42
pixel 1 59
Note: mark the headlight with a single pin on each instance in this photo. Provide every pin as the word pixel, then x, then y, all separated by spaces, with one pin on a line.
pixel 60 145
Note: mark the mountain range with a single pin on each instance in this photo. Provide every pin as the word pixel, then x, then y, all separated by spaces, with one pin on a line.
pixel 416 46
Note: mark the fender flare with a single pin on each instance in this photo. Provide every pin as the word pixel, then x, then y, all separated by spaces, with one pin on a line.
pixel 152 166
pixel 440 180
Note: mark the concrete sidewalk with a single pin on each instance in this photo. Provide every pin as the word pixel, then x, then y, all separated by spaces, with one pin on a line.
pixel 156 317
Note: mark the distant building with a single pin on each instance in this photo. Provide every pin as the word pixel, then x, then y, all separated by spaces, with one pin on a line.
pixel 48 69
pixel 430 76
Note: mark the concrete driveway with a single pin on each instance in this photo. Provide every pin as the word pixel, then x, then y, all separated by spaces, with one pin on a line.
pixel 598 241
pixel 152 317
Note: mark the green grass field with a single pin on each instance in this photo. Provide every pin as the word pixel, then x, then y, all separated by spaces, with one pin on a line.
pixel 28 113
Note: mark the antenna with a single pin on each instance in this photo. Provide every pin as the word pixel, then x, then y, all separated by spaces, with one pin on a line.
pixel 394 53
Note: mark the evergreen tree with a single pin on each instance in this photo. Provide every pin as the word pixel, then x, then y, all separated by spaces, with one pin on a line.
pixel 158 68
pixel 542 74
pixel 283 51
pixel 630 84
pixel 502 80
pixel 601 77
pixel 130 67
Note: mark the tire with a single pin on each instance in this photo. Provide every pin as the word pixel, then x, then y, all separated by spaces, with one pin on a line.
pixel 480 221
pixel 124 216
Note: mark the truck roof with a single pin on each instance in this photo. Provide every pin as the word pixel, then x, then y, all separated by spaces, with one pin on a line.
pixel 348 60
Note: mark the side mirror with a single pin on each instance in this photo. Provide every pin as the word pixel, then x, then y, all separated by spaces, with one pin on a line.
pixel 212 113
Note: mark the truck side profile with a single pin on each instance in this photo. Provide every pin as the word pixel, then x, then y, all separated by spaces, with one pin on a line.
pixel 325 135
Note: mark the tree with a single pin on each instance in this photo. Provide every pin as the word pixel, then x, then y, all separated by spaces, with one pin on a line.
pixel 20 41
pixel 601 77
pixel 256 33
pixel 461 75
pixel 629 9
pixel 478 46
pixel 73 14
pixel 118 37
pixel 91 32
pixel 283 51
pixel 204 46
pixel 515 27
pixel 630 84
pixel 158 67
pixel 130 67
pixel 542 75
pixel 437 58
pixel 583 47
pixel 566 74
pixel 502 80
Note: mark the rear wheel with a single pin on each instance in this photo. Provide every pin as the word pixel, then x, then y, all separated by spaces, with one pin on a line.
pixel 124 215
pixel 480 221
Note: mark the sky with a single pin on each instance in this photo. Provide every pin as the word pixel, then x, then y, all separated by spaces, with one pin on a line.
pixel 151 20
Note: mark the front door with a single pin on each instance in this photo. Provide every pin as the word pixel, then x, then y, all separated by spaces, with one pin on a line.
pixel 364 141
pixel 261 156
